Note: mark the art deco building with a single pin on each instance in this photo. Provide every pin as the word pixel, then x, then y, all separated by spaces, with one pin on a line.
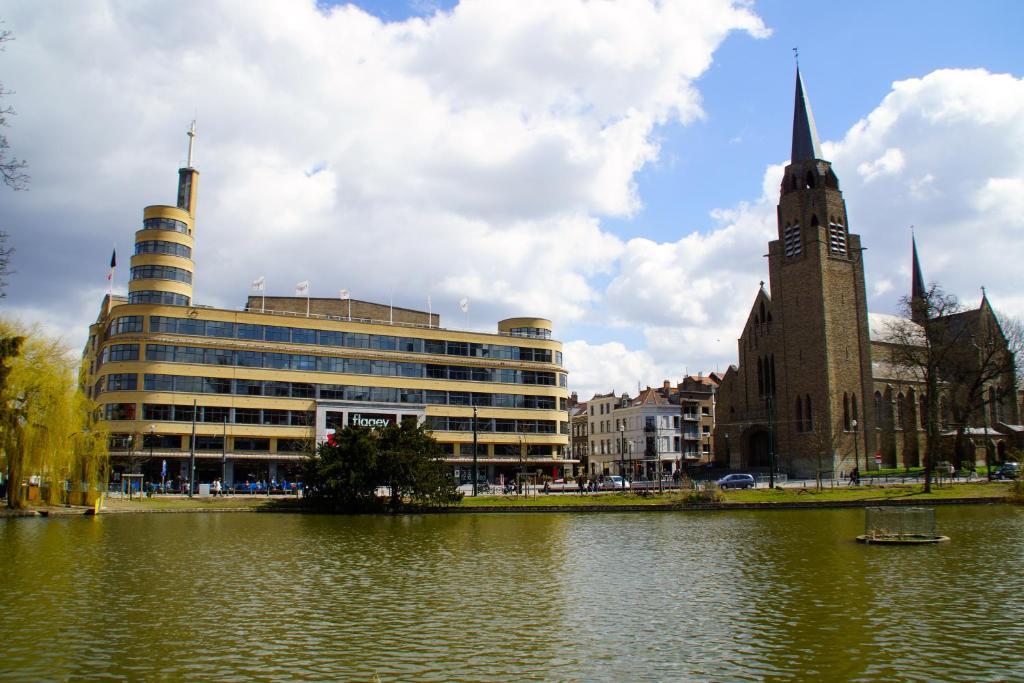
pixel 259 386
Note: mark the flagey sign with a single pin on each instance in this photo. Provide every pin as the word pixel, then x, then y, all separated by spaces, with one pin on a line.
pixel 372 420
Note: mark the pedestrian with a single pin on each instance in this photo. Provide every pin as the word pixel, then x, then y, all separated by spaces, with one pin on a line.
pixel 854 476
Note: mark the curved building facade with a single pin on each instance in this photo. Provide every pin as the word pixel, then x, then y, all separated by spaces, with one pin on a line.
pixel 264 383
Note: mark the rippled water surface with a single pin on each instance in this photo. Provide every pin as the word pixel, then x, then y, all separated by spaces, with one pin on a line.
pixel 778 595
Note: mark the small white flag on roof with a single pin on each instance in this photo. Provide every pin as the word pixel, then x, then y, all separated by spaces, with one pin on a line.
pixel 259 284
pixel 302 289
pixel 464 304
pixel 344 294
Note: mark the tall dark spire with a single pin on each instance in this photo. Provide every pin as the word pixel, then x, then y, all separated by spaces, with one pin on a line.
pixel 805 133
pixel 918 292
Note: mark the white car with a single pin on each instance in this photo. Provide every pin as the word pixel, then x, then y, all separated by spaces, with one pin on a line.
pixel 614 483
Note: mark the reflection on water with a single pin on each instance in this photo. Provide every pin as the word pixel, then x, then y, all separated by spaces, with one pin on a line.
pixel 606 597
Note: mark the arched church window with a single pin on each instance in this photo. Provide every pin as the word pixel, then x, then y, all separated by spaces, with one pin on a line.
pixel 760 378
pixel 853 405
pixel 900 398
pixel 814 220
pixel 809 424
pixel 846 411
pixel 799 414
pixel 923 411
pixel 878 410
pixel 760 318
pixel 810 179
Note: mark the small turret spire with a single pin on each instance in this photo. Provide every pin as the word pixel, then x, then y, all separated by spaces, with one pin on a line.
pixel 918 291
pixel 805 133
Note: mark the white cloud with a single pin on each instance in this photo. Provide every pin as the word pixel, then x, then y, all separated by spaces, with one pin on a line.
pixel 890 163
pixel 600 368
pixel 464 153
pixel 944 152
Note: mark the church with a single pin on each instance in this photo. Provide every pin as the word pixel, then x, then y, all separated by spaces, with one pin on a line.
pixel 819 386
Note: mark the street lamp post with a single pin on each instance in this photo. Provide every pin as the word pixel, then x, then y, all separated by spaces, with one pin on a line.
pixel 856 450
pixel 474 451
pixel 152 435
pixel 224 454
pixel 192 452
pixel 622 453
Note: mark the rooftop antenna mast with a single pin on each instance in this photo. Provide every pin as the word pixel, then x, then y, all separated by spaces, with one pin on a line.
pixel 191 141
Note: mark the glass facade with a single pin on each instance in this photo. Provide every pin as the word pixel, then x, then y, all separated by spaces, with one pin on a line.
pixel 155 297
pixel 353 340
pixel 161 273
pixel 166 224
pixel 162 247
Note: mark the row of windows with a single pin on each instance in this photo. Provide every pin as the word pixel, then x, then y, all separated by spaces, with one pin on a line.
pixel 126 324
pixel 203 443
pixel 300 335
pixel 155 297
pixel 441 423
pixel 161 273
pixel 349 366
pixel 125 382
pixel 165 224
pixel 119 353
pixel 161 412
pixel 162 247
pixel 338 392
pixel 535 332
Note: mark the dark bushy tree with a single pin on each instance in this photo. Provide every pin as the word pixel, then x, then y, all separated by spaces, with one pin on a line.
pixel 347 471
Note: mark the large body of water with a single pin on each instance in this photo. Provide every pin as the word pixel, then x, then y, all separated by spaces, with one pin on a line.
pixel 726 596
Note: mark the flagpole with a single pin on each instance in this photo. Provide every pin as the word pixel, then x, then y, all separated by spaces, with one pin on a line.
pixel 350 308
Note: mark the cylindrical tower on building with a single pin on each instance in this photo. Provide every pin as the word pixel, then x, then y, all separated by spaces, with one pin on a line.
pixel 536 328
pixel 161 266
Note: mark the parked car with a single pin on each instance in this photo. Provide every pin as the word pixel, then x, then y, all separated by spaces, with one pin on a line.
pixel 736 481
pixel 614 483
pixel 1008 470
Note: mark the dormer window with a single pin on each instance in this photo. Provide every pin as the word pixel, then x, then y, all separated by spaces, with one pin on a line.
pixel 836 238
pixel 791 240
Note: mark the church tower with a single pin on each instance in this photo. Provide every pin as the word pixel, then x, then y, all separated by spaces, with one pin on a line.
pixel 816 269
pixel 798 395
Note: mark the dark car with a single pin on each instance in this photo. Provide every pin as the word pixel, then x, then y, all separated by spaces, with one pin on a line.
pixel 736 481
pixel 1008 470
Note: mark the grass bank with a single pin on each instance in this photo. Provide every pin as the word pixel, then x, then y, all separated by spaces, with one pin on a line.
pixel 855 495
pixel 893 493
pixel 195 504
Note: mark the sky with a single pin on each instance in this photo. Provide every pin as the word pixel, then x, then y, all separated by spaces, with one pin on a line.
pixel 611 165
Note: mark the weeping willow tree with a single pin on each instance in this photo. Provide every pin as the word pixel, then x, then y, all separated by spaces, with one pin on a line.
pixel 48 425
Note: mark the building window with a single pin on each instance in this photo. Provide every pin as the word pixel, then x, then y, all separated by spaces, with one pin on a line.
pixel 162 247
pixel 125 325
pixel 161 273
pixel 165 224
pixel 155 297
pixel 791 239
pixel 837 239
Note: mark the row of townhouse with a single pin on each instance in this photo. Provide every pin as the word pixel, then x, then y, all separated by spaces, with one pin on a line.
pixel 661 430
